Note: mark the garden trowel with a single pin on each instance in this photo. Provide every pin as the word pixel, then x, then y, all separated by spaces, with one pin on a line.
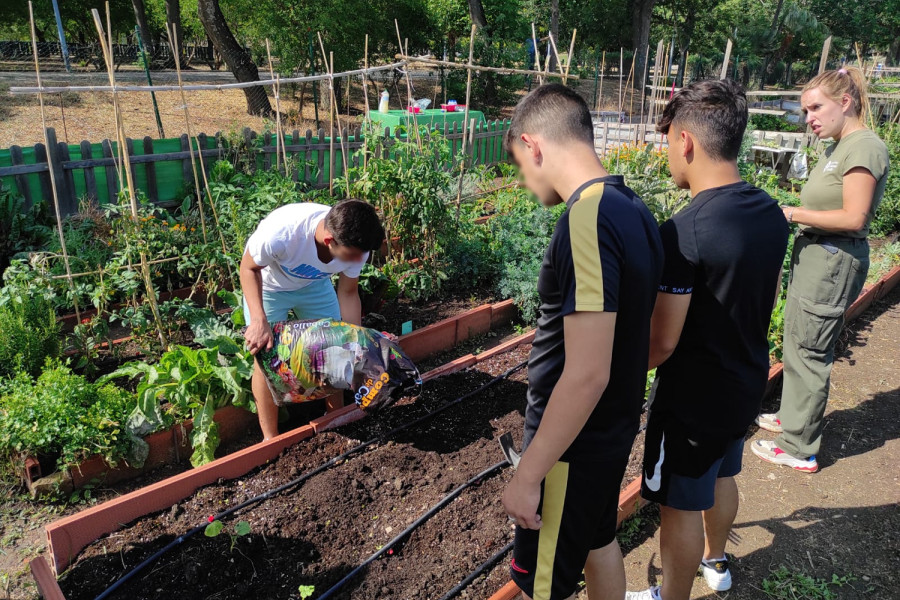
pixel 508 447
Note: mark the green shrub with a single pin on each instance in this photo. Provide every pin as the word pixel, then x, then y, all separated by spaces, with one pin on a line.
pixel 29 333
pixel 61 413
pixel 519 241
pixel 887 217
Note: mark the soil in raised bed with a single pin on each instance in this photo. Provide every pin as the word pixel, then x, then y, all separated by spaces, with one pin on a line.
pixel 391 316
pixel 316 534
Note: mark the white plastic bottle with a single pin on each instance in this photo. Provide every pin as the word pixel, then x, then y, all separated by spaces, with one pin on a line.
pixel 383 103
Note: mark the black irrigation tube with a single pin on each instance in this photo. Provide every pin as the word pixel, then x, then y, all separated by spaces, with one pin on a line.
pixel 489 563
pixel 302 478
pixel 399 537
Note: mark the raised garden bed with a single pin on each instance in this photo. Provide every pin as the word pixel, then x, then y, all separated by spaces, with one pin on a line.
pixel 173 445
pixel 355 516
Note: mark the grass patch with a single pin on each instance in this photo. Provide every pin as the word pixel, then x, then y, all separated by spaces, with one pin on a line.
pixel 785 584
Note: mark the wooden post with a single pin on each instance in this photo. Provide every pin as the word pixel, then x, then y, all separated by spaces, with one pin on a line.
pixel 724 73
pixel 55 168
pixel 602 73
pixel 823 60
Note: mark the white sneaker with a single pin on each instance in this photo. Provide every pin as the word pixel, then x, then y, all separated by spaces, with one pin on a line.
pixel 716 574
pixel 648 594
pixel 769 422
pixel 770 452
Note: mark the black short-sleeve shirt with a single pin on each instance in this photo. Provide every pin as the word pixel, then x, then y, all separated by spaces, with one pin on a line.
pixel 605 255
pixel 726 250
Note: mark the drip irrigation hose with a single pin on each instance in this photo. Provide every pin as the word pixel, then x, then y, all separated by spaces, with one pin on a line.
pixel 302 478
pixel 400 536
pixel 489 563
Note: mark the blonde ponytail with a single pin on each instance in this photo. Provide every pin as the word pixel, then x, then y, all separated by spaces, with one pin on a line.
pixel 846 80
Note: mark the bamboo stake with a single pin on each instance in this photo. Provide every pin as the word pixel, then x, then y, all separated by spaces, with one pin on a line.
pixel 537 54
pixel 366 120
pixel 569 59
pixel 279 143
pixel 631 82
pixel 62 110
pixel 329 64
pixel 187 120
pixel 187 125
pixel 465 138
pixel 644 80
pixel 120 133
pixel 621 68
pixel 555 53
pixel 503 70
pixel 602 74
pixel 59 228
pixel 409 98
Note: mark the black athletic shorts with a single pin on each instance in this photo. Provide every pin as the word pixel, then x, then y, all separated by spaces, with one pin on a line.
pixel 681 466
pixel 579 506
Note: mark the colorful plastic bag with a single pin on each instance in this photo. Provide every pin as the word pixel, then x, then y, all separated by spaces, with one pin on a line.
pixel 314 359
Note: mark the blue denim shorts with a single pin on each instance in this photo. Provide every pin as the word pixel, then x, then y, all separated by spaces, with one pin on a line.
pixel 316 301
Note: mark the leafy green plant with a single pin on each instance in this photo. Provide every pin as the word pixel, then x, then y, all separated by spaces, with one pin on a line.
pixel 193 383
pixel 29 333
pixel 85 341
pixel 887 217
pixel 306 591
pixel 784 584
pixel 20 230
pixel 63 414
pixel 216 528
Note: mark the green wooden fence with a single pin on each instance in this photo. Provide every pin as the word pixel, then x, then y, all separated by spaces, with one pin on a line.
pixel 161 168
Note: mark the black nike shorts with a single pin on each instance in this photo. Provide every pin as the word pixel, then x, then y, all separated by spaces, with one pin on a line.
pixel 681 466
pixel 579 506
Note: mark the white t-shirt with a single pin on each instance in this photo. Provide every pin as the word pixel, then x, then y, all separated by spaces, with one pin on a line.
pixel 285 244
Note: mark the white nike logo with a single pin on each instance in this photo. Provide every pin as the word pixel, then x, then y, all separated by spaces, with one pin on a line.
pixel 653 483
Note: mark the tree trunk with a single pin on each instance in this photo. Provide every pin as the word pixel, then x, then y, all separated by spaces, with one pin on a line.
pixel 140 17
pixel 641 11
pixel 476 12
pixel 173 20
pixel 238 60
pixel 768 57
pixel 685 43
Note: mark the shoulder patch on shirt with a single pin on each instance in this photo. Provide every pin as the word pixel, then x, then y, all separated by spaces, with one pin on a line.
pixel 586 249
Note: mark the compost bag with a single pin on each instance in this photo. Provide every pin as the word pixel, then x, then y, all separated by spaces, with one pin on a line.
pixel 314 359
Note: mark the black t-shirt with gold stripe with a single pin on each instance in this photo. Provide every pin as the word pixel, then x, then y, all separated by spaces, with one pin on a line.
pixel 606 256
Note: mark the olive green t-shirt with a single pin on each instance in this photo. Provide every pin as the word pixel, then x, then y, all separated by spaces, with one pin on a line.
pixel 825 188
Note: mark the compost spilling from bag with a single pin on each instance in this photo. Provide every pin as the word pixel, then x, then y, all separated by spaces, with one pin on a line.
pixel 314 359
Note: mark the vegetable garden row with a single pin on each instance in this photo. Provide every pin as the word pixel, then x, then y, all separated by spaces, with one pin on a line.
pixel 475 236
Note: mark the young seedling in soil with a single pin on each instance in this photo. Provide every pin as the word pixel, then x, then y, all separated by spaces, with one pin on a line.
pixel 306 591
pixel 241 528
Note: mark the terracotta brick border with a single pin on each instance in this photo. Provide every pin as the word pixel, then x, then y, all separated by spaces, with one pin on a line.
pixel 450 332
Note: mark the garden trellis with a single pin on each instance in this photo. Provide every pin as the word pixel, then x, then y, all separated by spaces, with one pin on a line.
pixel 120 163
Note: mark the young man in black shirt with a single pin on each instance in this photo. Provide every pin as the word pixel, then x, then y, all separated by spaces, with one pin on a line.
pixel 723 257
pixel 587 369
